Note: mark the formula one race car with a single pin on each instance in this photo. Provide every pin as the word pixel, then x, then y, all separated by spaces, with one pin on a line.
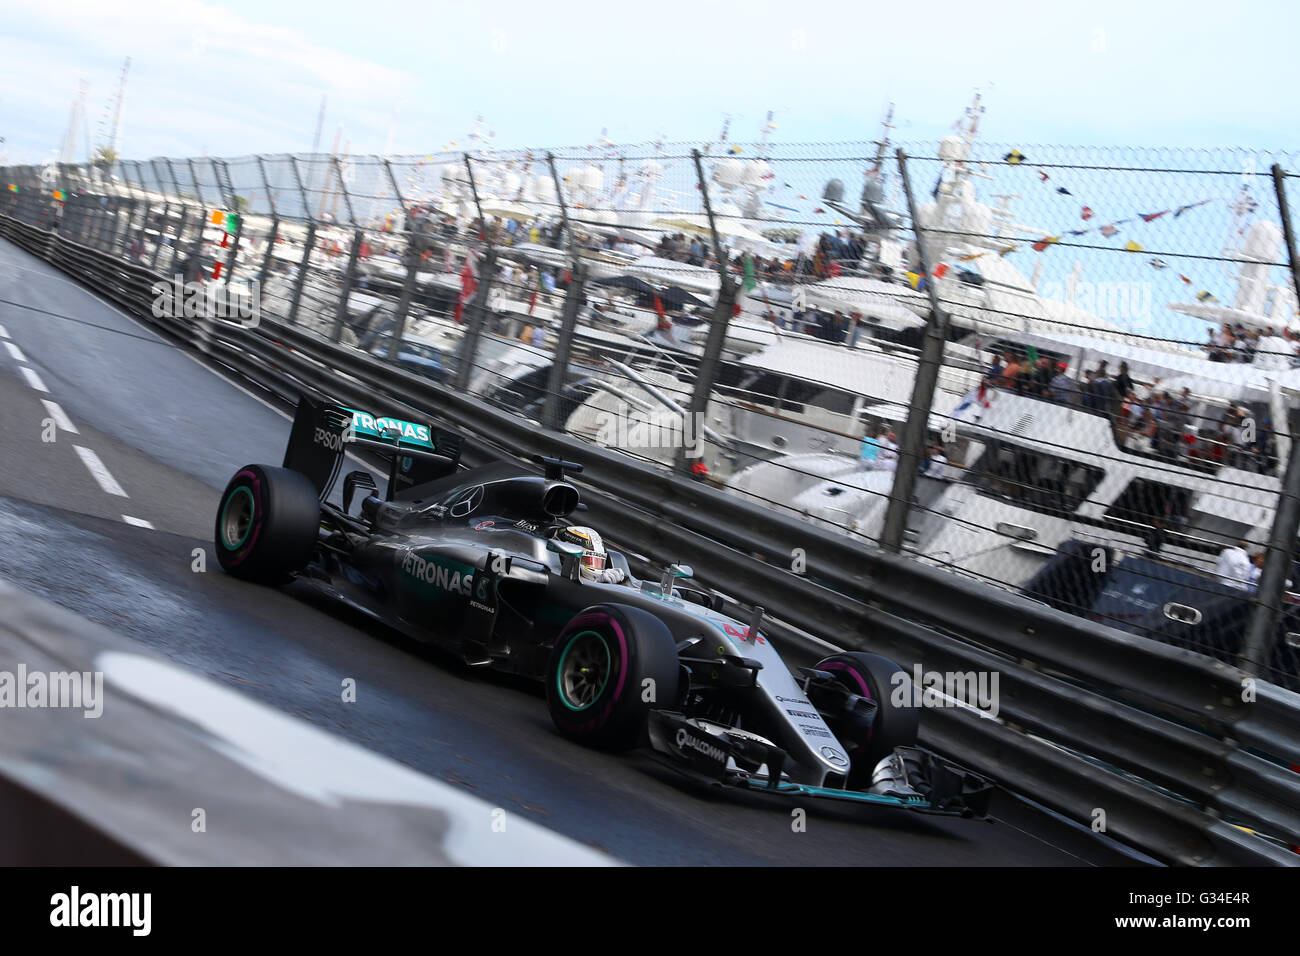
pixel 487 563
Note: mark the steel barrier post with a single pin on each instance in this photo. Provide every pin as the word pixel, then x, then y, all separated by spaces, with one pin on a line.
pixel 301 278
pixel 477 317
pixel 911 450
pixel 270 250
pixel 573 302
pixel 707 371
pixel 1261 628
pixel 349 276
pixel 404 301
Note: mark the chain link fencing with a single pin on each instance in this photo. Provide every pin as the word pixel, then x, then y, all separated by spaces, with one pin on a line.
pixel 1107 338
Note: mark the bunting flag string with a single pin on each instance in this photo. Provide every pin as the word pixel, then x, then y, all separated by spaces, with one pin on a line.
pixel 1087 213
pixel 1107 229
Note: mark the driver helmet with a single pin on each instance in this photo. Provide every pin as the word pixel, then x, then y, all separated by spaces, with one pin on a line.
pixel 594 559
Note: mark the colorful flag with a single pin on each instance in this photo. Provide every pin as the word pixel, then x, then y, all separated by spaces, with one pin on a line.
pixel 940 270
pixel 913 279
pixel 1063 191
pixel 1183 209
pixel 1159 264
pixel 1086 213
pixel 1148 216
pixel 469 284
pixel 1108 230
pixel 1042 176
pixel 1205 296
pixel 1185 279
pixel 1015 157
pixel 1046 241
pixel 1132 246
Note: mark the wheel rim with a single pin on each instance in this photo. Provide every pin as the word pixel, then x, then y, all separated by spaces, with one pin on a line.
pixel 237 518
pixel 584 670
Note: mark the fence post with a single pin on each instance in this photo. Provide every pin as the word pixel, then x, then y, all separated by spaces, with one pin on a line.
pixel 573 301
pixel 349 276
pixel 707 371
pixel 1261 628
pixel 911 450
pixel 162 231
pixel 270 251
pixel 564 207
pixel 404 301
pixel 474 323
pixel 301 278
pixel 180 236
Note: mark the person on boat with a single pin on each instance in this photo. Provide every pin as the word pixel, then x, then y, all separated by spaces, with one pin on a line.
pixel 889 452
pixel 1123 382
pixel 869 457
pixel 1144 435
pixel 1234 566
pixel 1062 387
pixel 1010 378
pixel 936 466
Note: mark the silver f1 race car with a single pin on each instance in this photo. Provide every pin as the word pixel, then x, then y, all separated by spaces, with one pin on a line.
pixel 483 562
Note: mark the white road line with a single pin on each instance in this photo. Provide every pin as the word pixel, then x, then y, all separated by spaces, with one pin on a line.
pixel 60 417
pixel 184 350
pixel 33 379
pixel 99 472
pixel 16 352
pixel 138 522
pixel 4 333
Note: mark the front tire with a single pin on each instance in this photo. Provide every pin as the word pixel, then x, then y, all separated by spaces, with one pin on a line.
pixel 876 678
pixel 267 524
pixel 596 679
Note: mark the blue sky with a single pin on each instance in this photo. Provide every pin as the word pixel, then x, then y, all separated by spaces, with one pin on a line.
pixel 242 77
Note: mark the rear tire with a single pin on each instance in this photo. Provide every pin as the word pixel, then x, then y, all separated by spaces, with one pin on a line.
pixel 267 524
pixel 596 678
pixel 877 678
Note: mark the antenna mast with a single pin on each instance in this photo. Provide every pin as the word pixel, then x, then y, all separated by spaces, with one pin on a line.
pixel 117 108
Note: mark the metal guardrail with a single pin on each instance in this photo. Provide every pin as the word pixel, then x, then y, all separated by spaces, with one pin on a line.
pixel 1163 740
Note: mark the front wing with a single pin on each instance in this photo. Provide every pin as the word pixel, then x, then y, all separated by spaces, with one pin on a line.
pixel 933 785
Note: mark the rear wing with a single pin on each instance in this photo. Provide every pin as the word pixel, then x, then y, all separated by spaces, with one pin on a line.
pixel 324 430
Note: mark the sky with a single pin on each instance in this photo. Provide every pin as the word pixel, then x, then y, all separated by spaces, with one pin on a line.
pixel 241 77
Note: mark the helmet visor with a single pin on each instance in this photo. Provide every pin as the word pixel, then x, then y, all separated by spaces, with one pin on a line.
pixel 593 561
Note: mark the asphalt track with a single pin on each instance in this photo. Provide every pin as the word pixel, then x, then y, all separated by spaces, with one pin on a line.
pixel 112 535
